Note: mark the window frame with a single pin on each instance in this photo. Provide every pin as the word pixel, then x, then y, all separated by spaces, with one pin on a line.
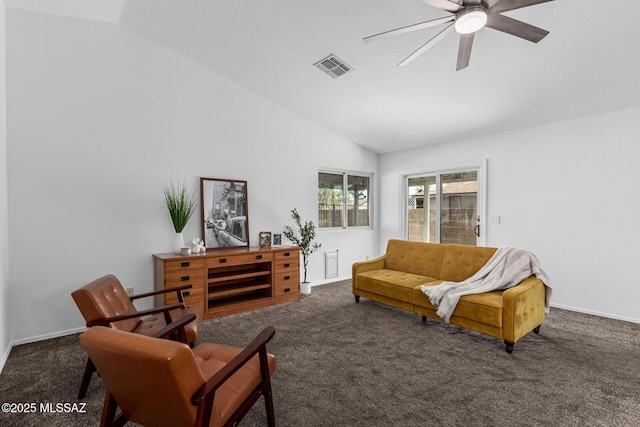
pixel 479 165
pixel 345 191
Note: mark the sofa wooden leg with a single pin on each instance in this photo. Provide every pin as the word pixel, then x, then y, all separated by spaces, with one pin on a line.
pixel 357 298
pixel 536 330
pixel 508 346
pixel 424 318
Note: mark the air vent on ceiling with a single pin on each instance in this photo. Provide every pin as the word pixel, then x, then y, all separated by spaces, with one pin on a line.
pixel 333 66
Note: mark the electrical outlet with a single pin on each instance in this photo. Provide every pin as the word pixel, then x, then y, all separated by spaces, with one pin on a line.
pixel 130 291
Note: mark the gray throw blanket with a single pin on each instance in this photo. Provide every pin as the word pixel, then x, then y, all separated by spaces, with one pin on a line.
pixel 506 268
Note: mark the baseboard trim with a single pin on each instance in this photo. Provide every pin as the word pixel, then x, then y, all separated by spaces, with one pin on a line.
pixel 48 336
pixel 37 338
pixel 331 280
pixel 5 356
pixel 596 313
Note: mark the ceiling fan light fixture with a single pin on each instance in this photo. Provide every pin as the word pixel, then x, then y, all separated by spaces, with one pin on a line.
pixel 471 20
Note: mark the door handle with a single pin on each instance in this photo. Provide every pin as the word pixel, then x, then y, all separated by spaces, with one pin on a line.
pixel 476 230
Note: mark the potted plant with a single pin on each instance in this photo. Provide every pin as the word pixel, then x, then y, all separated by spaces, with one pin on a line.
pixel 181 204
pixel 303 238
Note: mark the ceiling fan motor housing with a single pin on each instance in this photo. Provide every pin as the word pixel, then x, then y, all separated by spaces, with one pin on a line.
pixel 471 19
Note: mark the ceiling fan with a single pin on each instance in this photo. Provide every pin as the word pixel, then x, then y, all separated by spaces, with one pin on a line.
pixel 468 17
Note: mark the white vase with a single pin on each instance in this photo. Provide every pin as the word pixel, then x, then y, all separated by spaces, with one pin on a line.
pixel 178 243
pixel 305 288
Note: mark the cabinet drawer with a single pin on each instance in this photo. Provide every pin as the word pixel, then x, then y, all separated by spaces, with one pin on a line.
pixel 187 276
pixel 292 254
pixel 225 261
pixel 287 277
pixel 193 297
pixel 288 284
pixel 286 264
pixel 185 263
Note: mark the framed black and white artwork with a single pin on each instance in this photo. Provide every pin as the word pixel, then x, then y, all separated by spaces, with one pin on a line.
pixel 225 215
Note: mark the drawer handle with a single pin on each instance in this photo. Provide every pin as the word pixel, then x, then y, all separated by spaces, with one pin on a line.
pixel 184 278
pixel 185 293
pixel 258 256
pixel 287 290
pixel 287 265
pixel 185 264
pixel 287 277
pixel 286 254
pixel 223 260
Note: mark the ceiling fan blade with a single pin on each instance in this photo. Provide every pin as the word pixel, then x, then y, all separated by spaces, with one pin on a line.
pixel 516 28
pixel 447 5
pixel 464 50
pixel 504 5
pixel 410 28
pixel 441 35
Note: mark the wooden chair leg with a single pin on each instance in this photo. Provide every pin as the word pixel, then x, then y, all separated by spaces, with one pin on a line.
pixel 109 409
pixel 268 403
pixel 266 378
pixel 86 378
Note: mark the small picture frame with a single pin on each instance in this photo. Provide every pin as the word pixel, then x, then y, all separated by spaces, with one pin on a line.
pixel 277 239
pixel 265 239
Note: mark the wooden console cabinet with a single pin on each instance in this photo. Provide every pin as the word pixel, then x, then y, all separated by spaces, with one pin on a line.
pixel 232 280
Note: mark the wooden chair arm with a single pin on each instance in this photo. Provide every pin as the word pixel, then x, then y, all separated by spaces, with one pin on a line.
pixel 176 326
pixel 162 291
pixel 107 320
pixel 258 345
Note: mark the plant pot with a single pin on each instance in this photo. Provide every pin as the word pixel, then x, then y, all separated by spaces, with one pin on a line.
pixel 178 243
pixel 305 288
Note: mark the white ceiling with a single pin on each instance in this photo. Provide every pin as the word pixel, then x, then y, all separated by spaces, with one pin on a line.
pixel 588 64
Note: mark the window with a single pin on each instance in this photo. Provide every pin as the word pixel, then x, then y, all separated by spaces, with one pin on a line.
pixel 343 198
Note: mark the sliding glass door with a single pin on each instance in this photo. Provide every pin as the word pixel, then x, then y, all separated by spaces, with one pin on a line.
pixel 444 207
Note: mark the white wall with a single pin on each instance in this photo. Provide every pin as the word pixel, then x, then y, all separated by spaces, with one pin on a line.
pixel 99 117
pixel 567 191
pixel 4 231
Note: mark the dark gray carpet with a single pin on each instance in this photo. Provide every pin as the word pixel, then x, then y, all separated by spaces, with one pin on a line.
pixel 346 364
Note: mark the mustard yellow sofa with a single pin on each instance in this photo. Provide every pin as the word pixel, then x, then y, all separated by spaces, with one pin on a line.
pixel 396 278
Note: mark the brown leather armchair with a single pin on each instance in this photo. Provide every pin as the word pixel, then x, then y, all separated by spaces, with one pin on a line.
pixel 159 382
pixel 104 302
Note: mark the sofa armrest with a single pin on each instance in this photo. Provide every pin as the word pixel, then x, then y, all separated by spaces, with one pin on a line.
pixel 361 267
pixel 523 308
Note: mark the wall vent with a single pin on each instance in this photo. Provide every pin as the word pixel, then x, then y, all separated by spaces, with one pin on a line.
pixel 333 66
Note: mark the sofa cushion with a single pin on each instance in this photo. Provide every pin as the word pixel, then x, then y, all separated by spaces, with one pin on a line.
pixel 461 262
pixel 392 284
pixel 424 259
pixel 483 308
